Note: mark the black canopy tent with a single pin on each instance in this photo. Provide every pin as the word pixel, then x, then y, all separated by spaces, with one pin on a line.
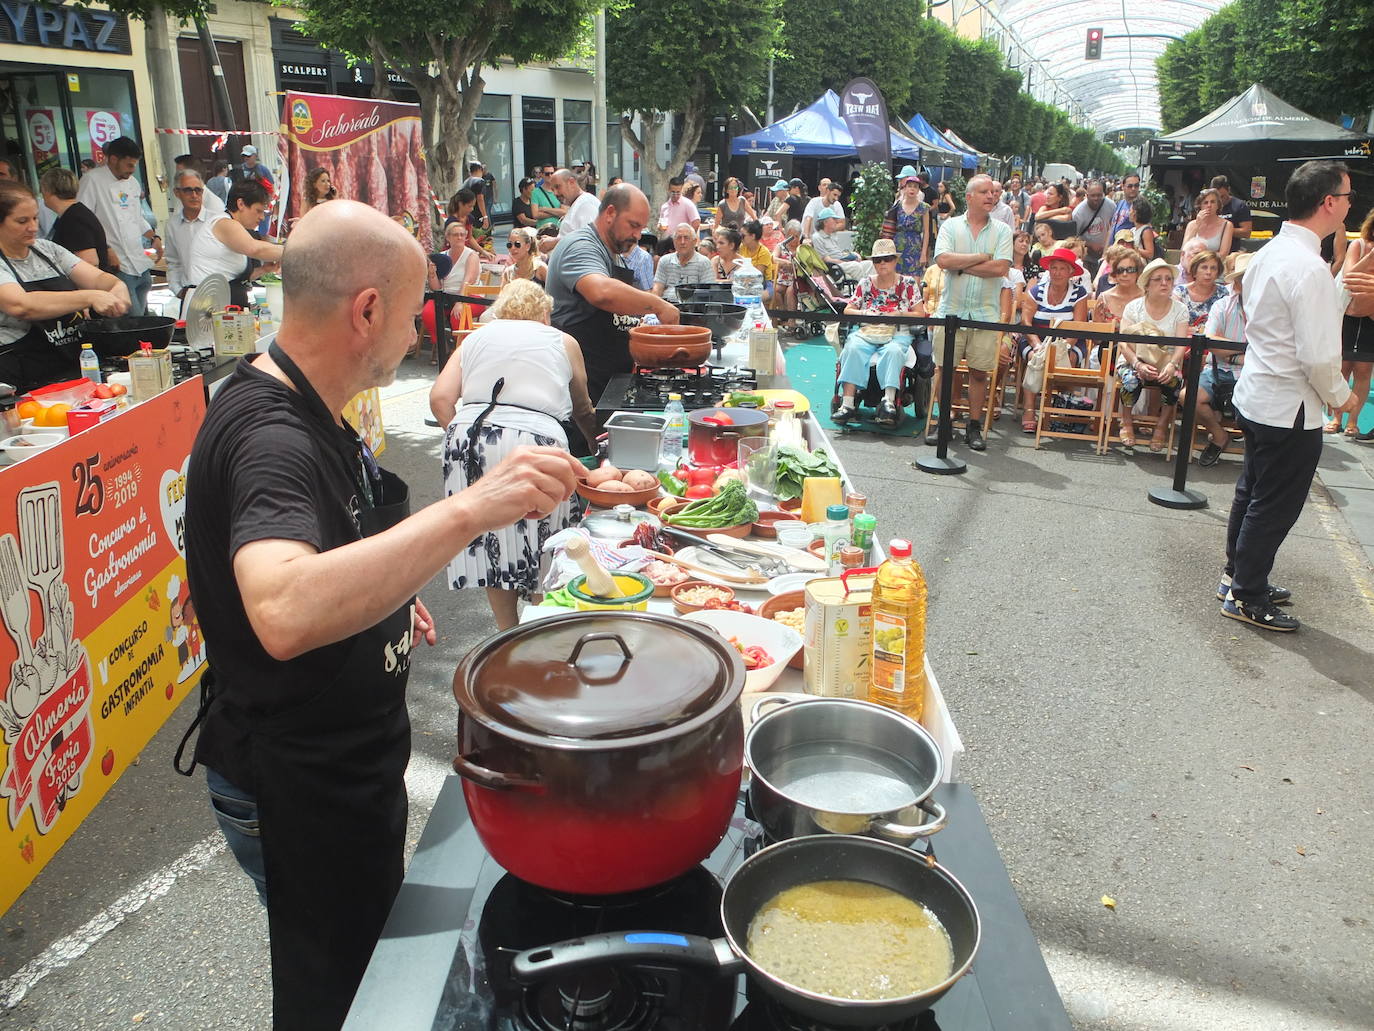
pixel 1256 140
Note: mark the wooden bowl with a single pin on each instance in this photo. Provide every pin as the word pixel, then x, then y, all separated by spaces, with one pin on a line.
pixel 817 548
pixel 684 607
pixel 785 602
pixel 766 524
pixel 742 530
pixel 611 498
pixel 658 504
pixel 793 506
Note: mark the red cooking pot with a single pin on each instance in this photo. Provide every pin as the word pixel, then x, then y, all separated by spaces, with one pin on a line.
pixel 601 751
pixel 713 434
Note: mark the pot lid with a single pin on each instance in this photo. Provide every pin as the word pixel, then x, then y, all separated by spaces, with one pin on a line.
pixel 598 677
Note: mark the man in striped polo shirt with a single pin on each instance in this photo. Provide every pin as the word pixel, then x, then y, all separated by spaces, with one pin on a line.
pixel 974 250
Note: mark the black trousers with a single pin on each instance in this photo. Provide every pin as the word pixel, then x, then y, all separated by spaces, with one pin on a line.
pixel 1278 470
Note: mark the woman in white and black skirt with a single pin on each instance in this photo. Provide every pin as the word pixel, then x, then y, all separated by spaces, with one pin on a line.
pixel 513 383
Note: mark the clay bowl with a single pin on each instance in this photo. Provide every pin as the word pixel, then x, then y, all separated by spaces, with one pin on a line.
pixel 658 504
pixel 767 524
pixel 783 603
pixel 793 506
pixel 684 607
pixel 611 498
pixel 670 347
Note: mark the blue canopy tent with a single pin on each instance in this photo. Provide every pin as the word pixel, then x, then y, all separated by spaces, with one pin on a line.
pixel 924 130
pixel 817 131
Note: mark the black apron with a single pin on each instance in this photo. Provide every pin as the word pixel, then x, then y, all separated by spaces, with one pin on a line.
pixel 50 351
pixel 330 786
pixel 605 342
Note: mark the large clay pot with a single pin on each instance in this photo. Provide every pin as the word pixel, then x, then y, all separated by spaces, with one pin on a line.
pixel 672 347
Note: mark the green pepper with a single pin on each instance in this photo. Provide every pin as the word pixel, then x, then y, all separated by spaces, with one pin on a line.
pixel 671 483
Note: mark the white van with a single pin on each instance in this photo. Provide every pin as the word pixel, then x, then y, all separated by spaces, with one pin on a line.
pixel 1054 172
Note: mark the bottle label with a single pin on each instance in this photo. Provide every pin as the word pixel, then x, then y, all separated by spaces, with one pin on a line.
pixel 889 652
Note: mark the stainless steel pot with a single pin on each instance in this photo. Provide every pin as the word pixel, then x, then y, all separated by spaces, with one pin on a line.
pixel 841 766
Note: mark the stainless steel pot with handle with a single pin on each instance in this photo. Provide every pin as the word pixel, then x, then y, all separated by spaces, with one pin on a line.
pixel 842 766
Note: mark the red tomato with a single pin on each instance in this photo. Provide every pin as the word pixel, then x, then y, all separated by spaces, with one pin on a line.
pixel 697 491
pixel 103 392
pixel 701 476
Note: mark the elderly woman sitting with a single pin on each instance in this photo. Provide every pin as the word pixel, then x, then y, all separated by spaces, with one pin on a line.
pixel 885 292
pixel 835 248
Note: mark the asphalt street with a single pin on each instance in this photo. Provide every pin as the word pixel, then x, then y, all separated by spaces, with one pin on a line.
pixel 1124 740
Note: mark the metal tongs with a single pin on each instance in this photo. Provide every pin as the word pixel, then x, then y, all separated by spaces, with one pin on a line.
pixel 735 558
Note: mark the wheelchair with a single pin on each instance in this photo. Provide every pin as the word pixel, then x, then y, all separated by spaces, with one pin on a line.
pixel 912 391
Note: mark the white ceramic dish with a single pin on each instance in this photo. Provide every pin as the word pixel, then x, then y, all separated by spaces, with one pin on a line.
pixel 28 429
pixel 26 445
pixel 779 641
pixel 696 556
pixel 790 582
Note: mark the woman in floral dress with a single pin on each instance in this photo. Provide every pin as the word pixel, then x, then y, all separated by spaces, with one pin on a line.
pixel 907 224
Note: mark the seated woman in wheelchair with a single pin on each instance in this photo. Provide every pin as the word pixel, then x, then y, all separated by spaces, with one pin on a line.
pixel 882 293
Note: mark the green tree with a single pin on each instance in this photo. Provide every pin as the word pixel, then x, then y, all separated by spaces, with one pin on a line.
pixel 966 104
pixel 440 48
pixel 689 59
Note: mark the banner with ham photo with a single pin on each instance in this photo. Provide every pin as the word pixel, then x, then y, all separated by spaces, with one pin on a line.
pixel 373 151
pixel 102 641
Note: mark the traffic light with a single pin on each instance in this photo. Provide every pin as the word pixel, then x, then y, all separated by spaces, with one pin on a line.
pixel 1094 48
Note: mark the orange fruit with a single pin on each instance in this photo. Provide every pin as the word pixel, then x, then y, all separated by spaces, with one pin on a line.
pixel 56 415
pixel 30 410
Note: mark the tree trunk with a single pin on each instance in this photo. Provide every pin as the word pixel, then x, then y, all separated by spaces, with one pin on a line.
pixel 693 123
pixel 167 104
pixel 381 84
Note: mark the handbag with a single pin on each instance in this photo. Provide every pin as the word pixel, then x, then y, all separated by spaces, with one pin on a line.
pixel 1034 378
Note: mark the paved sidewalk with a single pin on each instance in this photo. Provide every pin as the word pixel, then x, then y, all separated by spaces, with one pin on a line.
pixel 1347 473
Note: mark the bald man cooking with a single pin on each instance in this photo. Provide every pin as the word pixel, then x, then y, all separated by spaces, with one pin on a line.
pixel 595 300
pixel 304 566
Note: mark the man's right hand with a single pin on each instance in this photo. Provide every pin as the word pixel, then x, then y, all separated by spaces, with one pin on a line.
pixel 668 313
pixel 528 484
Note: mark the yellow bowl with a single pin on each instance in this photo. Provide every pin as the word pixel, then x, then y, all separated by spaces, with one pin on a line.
pixel 637 587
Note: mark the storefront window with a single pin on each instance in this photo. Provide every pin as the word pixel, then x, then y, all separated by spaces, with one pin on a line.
pixel 102 111
pixel 491 141
pixel 577 131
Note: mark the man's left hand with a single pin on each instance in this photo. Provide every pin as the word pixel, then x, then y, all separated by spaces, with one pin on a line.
pixel 423 628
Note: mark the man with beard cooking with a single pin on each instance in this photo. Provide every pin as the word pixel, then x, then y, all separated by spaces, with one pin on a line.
pixel 304 566
pixel 594 297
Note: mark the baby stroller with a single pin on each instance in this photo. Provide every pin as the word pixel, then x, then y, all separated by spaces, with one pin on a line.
pixel 817 289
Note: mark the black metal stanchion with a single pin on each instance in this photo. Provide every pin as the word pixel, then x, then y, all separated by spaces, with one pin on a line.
pixel 1178 495
pixel 941 463
pixel 443 331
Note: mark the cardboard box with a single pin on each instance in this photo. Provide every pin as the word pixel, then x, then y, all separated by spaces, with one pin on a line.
pixel 92 413
pixel 839 635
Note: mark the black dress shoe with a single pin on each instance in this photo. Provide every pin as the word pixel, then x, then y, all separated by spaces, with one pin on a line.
pixel 973 433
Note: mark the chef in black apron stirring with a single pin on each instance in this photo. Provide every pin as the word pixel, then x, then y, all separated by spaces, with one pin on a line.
pixel 45 293
pixel 594 297
pixel 229 244
pixel 304 567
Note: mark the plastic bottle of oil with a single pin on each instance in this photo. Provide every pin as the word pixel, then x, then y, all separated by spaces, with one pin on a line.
pixel 898 672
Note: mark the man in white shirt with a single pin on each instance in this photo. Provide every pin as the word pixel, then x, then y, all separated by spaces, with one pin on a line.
pixel 185 225
pixel 582 206
pixel 1094 217
pixel 829 198
pixel 1003 212
pixel 1292 367
pixel 112 192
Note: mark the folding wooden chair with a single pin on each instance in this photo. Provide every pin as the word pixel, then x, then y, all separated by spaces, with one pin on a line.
pixel 1149 420
pixel 1062 377
pixel 959 405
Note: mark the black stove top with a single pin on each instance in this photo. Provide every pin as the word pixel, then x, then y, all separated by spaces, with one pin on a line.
pixel 187 361
pixel 443 961
pixel 647 390
pixel 507 916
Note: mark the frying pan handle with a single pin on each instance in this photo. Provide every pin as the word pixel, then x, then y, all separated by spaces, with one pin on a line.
pixel 469 770
pixel 905 834
pixel 535 965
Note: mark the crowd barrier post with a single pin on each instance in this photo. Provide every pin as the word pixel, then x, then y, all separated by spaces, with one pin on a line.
pixel 941 463
pixel 1178 495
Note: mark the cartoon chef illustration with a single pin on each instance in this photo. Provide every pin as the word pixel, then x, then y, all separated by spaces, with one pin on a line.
pixel 185 629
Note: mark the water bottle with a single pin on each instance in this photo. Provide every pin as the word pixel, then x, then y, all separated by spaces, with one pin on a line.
pixel 90 364
pixel 674 432
pixel 746 284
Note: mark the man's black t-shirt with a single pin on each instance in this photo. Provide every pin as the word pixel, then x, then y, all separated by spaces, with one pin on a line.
pixel 1236 211
pixel 478 186
pixel 77 229
pixel 520 207
pixel 796 207
pixel 262 468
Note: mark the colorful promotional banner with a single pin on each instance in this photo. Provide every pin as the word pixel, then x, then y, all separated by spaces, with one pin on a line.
pixel 364 414
pixel 103 127
pixel 42 137
pixel 373 151
pixel 102 641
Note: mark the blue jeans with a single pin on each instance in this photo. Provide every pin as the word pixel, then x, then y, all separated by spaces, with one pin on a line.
pixel 236 811
pixel 858 352
pixel 138 290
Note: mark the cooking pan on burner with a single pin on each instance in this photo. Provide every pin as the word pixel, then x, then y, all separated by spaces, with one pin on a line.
pixel 720 317
pixel 118 337
pixel 706 292
pixel 763 875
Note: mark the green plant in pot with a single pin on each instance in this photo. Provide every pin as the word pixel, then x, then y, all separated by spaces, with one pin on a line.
pixel 869 203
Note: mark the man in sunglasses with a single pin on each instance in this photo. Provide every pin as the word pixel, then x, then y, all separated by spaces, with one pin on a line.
pixel 186 225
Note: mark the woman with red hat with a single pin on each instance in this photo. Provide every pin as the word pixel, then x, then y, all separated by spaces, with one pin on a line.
pixel 1058 299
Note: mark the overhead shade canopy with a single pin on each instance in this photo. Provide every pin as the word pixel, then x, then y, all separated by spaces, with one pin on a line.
pixel 955 139
pixel 1257 126
pixel 950 155
pixel 816 131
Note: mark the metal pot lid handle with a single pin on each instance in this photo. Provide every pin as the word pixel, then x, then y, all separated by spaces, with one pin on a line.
pixel 904 833
pixel 602 635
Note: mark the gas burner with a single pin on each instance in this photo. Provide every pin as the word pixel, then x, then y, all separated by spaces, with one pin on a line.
pixel 595 999
pixel 648 389
pixel 764 1014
